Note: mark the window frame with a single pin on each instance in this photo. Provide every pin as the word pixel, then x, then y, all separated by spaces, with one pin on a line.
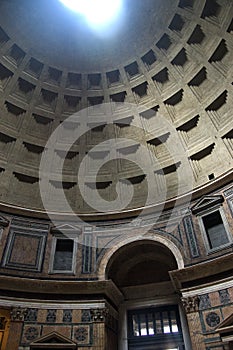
pixel 52 256
pixel 157 340
pixel 205 213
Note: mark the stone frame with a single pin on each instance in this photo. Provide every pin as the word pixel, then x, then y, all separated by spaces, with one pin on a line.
pixel 220 210
pixel 14 232
pixel 55 238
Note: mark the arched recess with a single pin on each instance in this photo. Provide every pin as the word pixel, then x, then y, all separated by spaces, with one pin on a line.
pixel 140 263
pixel 153 241
pixel 140 267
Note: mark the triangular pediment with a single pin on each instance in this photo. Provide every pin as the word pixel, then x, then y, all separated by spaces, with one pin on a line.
pixel 226 325
pixel 66 228
pixel 225 329
pixel 53 338
pixel 206 202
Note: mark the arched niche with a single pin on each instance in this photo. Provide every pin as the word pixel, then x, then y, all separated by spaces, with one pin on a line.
pixel 140 270
pixel 154 241
pixel 138 266
pixel 141 262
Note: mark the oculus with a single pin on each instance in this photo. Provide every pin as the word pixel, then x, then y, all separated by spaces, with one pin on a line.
pixel 96 12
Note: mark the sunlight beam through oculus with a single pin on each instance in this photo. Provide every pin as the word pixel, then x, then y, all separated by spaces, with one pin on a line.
pixel 96 12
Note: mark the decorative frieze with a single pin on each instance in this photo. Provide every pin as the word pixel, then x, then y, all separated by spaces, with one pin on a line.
pixel 191 304
pixel 31 315
pixel 51 316
pixel 86 316
pixel 67 316
pixel 204 302
pixel 224 296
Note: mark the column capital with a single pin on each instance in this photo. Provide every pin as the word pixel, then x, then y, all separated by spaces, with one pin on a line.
pixel 18 314
pixel 190 304
pixel 99 315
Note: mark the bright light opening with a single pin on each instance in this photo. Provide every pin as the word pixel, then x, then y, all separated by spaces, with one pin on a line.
pixel 96 12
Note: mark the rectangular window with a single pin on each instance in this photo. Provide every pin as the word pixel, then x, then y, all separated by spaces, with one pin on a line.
pixel 155 328
pixel 63 255
pixel 215 229
pixel 146 324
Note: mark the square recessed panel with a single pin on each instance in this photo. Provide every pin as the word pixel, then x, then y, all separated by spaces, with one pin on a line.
pixel 82 334
pixel 24 250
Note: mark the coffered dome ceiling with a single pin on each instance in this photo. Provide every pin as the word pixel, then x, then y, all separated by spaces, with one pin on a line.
pixel 165 72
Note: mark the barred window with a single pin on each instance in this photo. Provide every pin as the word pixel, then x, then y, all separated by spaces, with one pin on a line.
pixel 158 327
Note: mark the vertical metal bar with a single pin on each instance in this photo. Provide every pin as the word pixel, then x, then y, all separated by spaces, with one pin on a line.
pixel 170 322
pixel 154 323
pixel 161 321
pixel 147 326
pixel 139 325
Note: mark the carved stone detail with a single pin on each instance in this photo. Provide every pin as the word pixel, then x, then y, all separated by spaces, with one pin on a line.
pixel 31 315
pixel 191 304
pixel 224 296
pixel 67 316
pixel 51 316
pixel 81 334
pixel 212 319
pixel 99 315
pixel 32 333
pixel 86 316
pixel 204 302
pixel 18 314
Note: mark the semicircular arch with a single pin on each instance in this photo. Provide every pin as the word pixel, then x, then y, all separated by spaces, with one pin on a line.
pixel 163 241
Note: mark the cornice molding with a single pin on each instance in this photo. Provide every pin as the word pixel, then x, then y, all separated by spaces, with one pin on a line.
pixel 193 277
pixel 61 288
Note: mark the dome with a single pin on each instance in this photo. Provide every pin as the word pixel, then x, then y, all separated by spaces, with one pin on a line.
pixel 154 94
pixel 116 197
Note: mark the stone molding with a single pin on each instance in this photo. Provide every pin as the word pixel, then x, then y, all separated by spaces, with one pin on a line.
pixel 81 288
